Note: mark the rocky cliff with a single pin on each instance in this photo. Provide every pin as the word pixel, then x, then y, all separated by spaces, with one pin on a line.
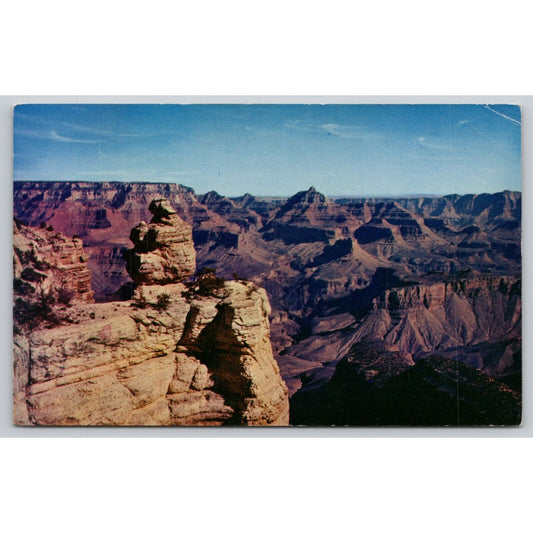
pixel 46 260
pixel 424 318
pixel 102 214
pixel 176 354
pixel 50 278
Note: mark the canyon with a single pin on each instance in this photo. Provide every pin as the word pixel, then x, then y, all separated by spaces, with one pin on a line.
pixel 397 289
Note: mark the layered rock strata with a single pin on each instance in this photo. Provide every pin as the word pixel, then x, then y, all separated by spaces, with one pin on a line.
pixel 47 260
pixel 50 276
pixel 425 318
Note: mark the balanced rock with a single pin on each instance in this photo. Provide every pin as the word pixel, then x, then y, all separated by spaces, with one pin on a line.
pixel 163 250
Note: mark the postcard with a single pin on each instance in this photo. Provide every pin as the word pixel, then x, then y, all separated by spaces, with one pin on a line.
pixel 267 265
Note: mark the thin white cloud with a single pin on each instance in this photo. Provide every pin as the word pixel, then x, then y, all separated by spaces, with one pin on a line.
pixel 299 125
pixel 34 134
pixel 422 141
pixel 463 122
pixel 79 127
pixel 142 173
pixel 51 136
pixel 338 130
pixel 332 129
pixel 54 136
pixel 96 131
pixel 435 156
pixel 52 126
pixel 179 173
pixel 261 132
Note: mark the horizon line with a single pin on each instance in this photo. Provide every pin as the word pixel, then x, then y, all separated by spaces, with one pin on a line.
pixel 332 196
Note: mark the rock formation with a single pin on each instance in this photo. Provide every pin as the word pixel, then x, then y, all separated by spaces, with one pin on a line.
pixel 174 355
pixel 102 214
pixel 284 244
pixel 163 250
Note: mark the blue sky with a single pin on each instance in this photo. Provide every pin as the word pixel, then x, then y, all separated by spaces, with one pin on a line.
pixel 275 150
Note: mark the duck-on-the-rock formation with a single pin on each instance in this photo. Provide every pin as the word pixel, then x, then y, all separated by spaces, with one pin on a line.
pixel 177 354
pixel 163 251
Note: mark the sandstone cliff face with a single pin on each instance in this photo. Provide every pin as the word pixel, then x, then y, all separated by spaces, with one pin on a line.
pixel 170 356
pixel 236 347
pixel 50 277
pixel 127 366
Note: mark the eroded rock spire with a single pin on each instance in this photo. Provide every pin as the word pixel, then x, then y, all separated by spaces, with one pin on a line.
pixel 163 250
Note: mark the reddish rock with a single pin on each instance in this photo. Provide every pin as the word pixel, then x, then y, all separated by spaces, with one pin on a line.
pixel 48 261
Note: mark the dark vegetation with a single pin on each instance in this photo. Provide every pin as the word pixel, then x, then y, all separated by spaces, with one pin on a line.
pixel 161 304
pixel 207 283
pixel 64 296
pixel 29 313
pixel 30 274
pixel 434 392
